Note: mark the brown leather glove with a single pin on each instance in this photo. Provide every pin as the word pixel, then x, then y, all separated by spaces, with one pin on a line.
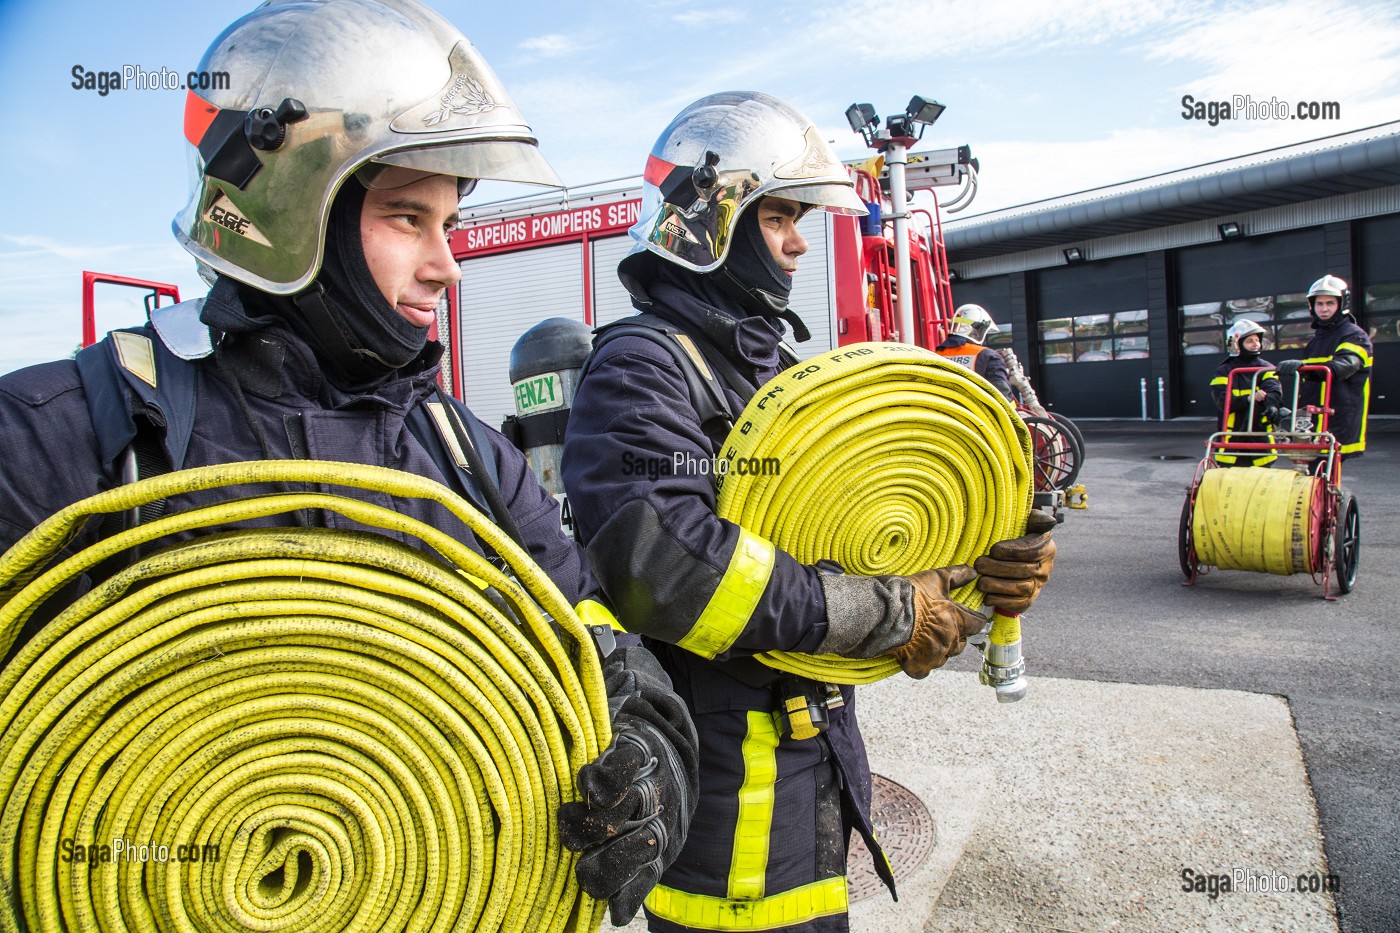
pixel 941 626
pixel 1013 571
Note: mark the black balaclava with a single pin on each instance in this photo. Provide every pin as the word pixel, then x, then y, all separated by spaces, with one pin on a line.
pixel 752 277
pixel 358 337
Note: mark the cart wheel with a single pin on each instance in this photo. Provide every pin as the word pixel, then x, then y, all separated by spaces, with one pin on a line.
pixel 1057 455
pixel 1073 429
pixel 1348 540
pixel 1185 547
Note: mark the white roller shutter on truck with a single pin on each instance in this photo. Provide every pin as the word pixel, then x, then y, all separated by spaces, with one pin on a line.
pixel 501 296
pixel 610 299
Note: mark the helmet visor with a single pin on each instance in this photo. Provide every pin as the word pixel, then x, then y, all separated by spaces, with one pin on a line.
pixel 494 159
pixel 835 198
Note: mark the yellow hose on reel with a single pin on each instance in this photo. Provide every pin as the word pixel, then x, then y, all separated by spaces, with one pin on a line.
pixel 889 460
pixel 1255 518
pixel 352 734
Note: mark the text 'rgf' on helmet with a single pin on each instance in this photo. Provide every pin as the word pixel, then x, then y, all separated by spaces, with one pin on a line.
pixel 1234 337
pixel 1330 285
pixel 974 323
pixel 722 154
pixel 322 89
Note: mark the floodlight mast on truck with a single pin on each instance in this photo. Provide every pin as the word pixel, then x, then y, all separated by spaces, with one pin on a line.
pixel 934 169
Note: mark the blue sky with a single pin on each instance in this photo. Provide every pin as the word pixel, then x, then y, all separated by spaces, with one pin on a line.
pixel 1052 97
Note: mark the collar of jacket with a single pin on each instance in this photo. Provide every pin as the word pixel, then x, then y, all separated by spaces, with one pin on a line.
pixel 751 341
pixel 272 361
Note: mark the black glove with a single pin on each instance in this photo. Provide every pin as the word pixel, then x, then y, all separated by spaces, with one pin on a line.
pixel 640 793
pixel 1289 367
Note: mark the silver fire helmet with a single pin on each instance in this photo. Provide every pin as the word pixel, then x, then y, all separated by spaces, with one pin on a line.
pixel 1234 337
pixel 318 90
pixel 1334 286
pixel 720 155
pixel 974 323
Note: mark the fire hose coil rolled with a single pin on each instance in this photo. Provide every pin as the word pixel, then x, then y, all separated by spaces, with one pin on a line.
pixel 1255 518
pixel 324 729
pixel 884 458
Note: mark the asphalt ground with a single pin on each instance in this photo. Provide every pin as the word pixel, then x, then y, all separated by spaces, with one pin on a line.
pixel 1241 723
pixel 1116 611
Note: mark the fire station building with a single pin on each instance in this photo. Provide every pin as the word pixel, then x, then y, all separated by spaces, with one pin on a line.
pixel 1123 294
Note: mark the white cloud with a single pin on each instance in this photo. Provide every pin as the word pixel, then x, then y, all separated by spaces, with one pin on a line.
pixel 720 16
pixel 1294 50
pixel 552 45
pixel 955 30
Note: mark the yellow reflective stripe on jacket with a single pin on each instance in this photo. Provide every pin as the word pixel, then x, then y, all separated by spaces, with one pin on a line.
pixel 749 863
pixel 1356 349
pixel 735 599
pixel 591 612
pixel 818 899
pixel 1360 442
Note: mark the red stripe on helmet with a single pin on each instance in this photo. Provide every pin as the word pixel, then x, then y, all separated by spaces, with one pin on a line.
pixel 199 113
pixel 656 170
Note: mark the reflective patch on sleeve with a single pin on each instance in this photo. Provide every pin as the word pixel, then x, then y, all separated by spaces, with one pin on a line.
pixel 591 613
pixel 735 599
pixel 1356 349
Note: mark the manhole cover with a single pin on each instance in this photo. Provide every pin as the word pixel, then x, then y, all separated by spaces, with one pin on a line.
pixel 905 830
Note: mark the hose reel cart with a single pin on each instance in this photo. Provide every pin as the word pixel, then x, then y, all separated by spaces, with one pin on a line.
pixel 1279 521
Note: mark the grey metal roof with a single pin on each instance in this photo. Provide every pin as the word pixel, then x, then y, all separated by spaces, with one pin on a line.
pixel 1340 169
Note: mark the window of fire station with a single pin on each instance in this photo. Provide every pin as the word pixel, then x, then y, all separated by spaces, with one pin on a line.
pixel 1094 338
pixel 1284 317
pixel 1382 313
pixel 1000 338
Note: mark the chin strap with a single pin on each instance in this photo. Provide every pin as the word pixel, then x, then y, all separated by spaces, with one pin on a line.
pixel 760 301
pixel 354 366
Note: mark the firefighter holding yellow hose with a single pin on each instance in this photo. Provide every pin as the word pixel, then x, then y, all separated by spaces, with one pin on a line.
pixel 327 180
pixel 711 270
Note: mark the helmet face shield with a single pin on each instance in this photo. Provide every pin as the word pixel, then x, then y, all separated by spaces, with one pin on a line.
pixel 325 88
pixel 721 155
pixel 974 323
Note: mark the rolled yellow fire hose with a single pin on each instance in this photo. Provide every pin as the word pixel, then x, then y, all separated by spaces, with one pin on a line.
pixel 306 729
pixel 885 458
pixel 1255 518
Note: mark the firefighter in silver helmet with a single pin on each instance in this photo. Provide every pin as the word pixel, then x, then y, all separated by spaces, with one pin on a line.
pixel 717 245
pixel 966 346
pixel 1342 345
pixel 325 184
pixel 1252 402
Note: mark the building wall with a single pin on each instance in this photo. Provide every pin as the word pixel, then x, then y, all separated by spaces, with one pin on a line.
pixel 1090 333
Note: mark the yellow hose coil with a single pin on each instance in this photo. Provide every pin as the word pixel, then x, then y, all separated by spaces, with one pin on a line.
pixel 353 734
pixel 1255 518
pixel 889 460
